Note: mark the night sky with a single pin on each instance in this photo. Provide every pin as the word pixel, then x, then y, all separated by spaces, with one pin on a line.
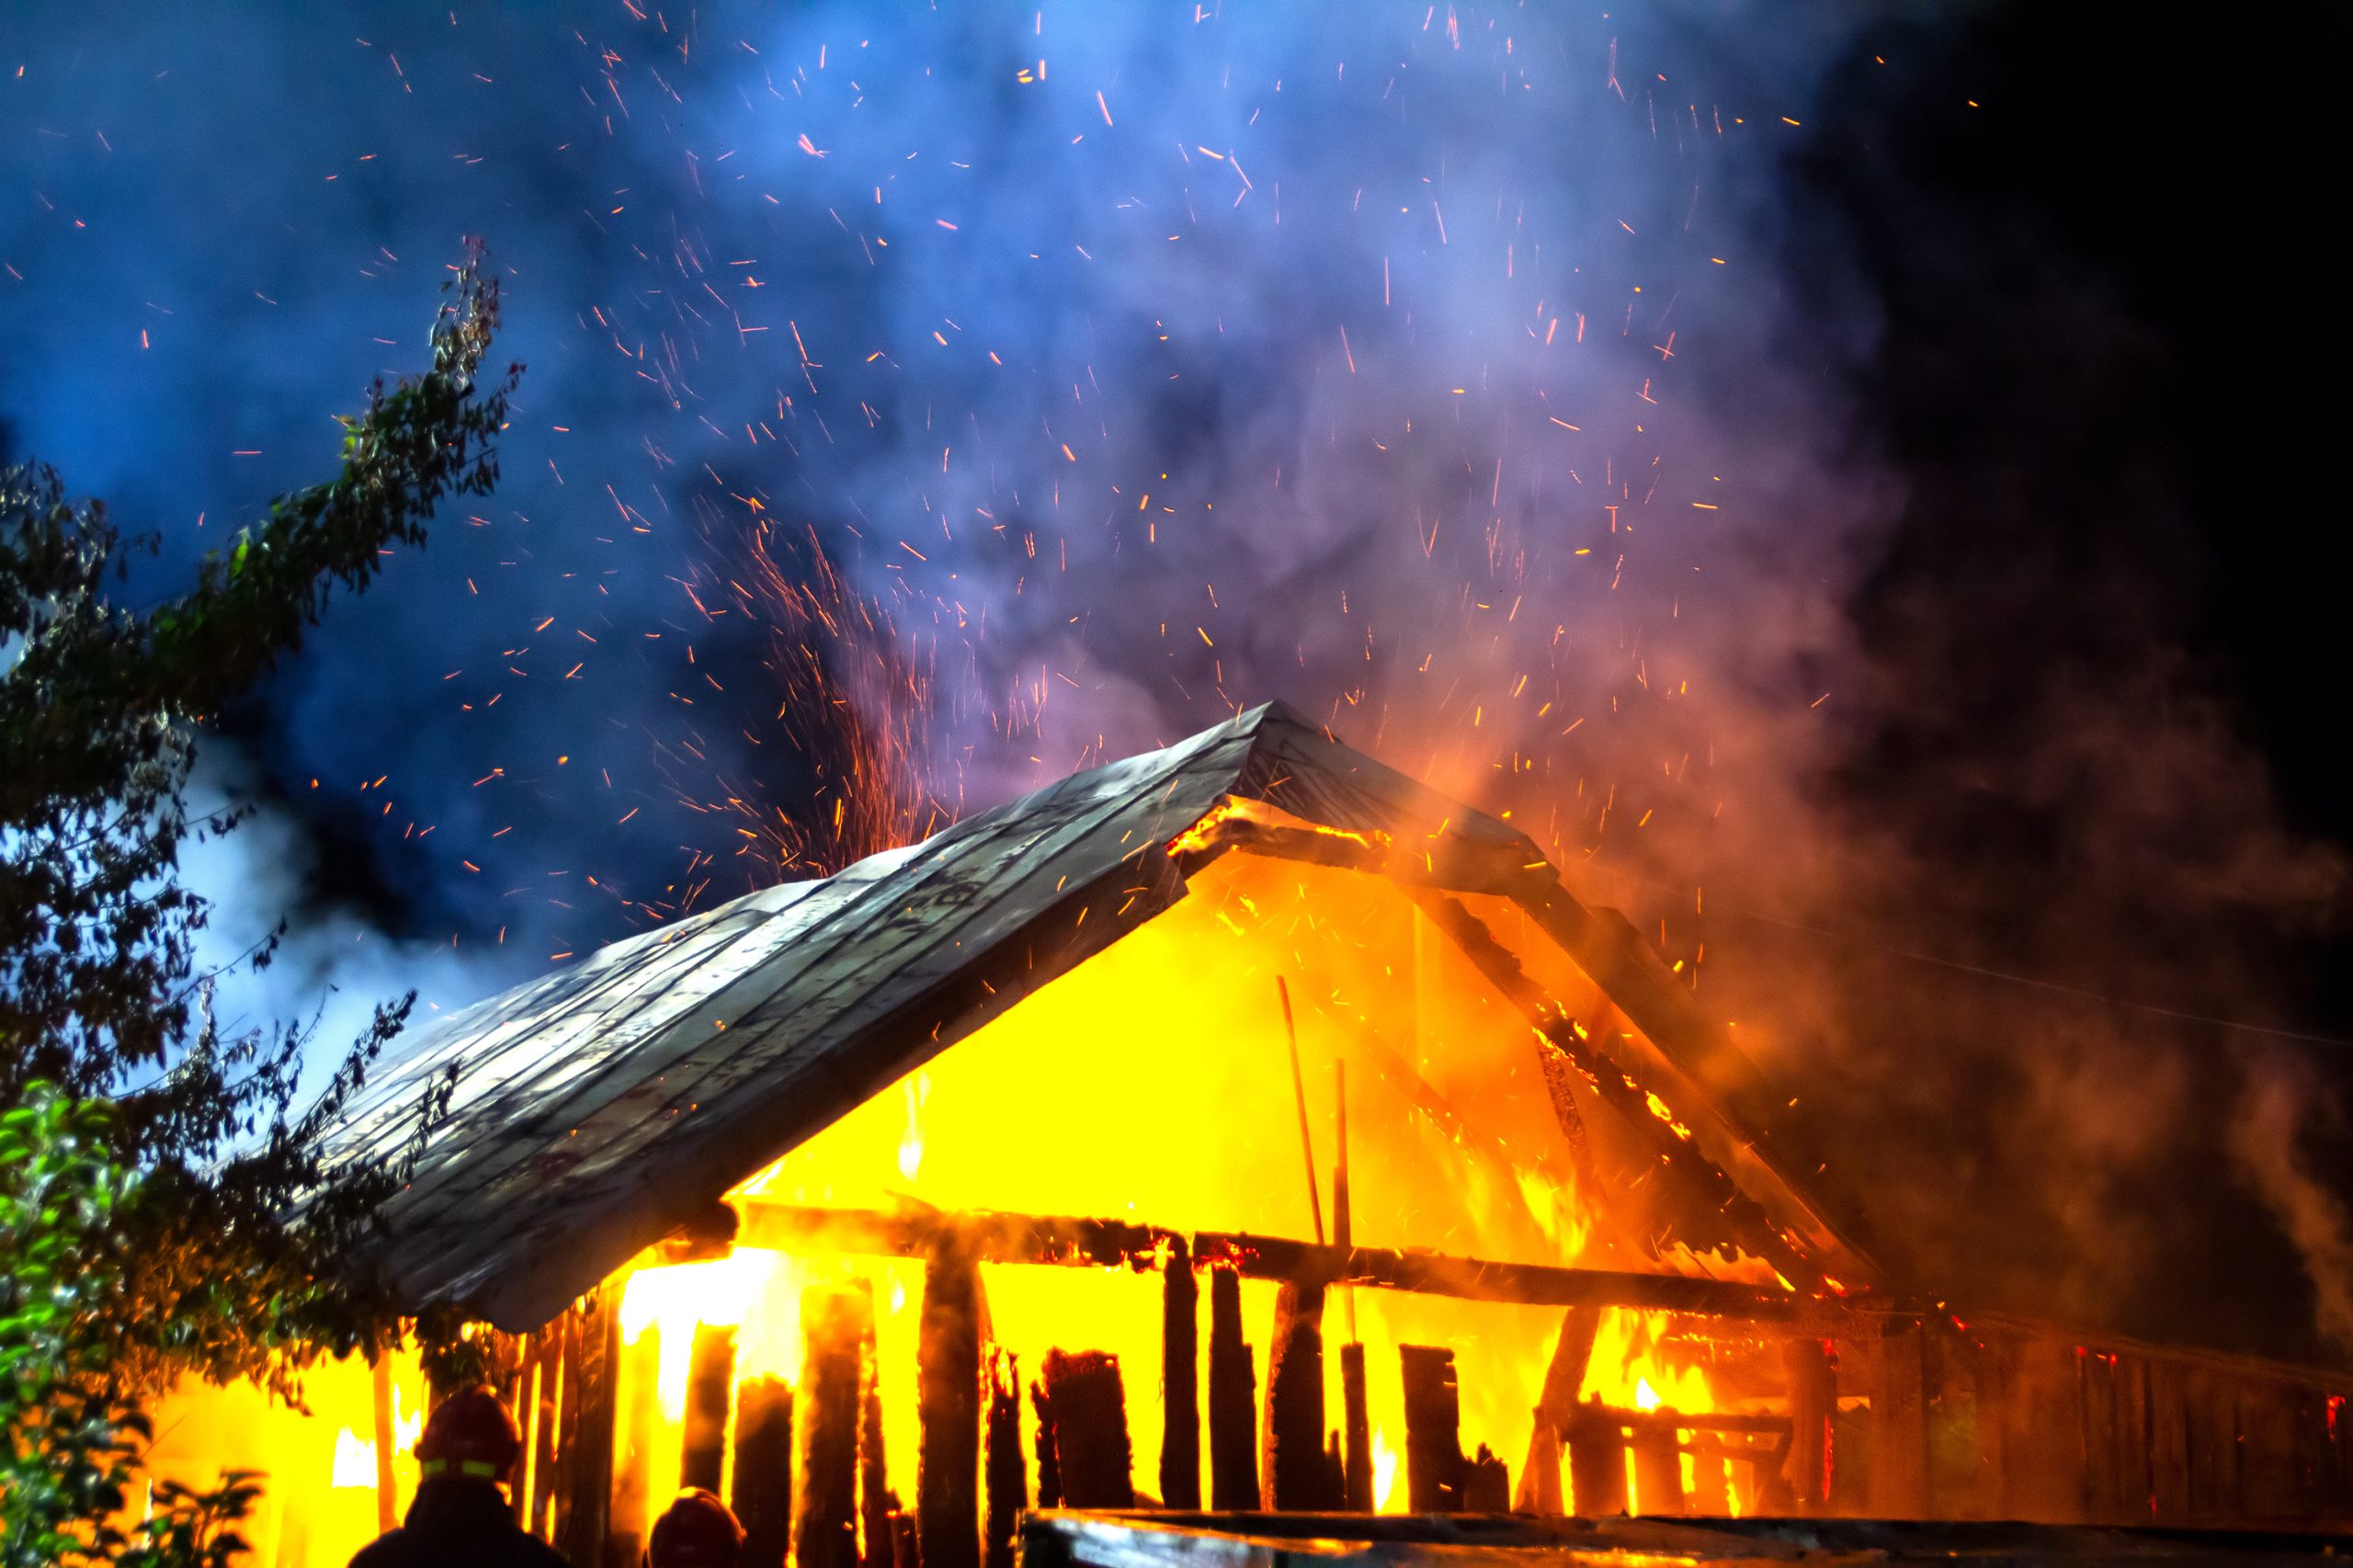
pixel 1847 487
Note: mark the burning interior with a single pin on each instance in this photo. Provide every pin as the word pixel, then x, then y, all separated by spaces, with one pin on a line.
pixel 1240 1126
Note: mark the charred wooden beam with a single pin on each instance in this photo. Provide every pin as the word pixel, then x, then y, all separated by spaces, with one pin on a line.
pixel 1434 1458
pixel 1180 1431
pixel 1088 1243
pixel 1233 1456
pixel 1556 1404
pixel 948 1411
pixel 761 1490
pixel 710 1381
pixel 826 1412
pixel 1090 1424
pixel 1050 1472
pixel 1292 1475
pixel 1008 1483
pixel 547 1412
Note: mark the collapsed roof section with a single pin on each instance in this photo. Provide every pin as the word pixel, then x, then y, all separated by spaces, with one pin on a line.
pixel 597 1109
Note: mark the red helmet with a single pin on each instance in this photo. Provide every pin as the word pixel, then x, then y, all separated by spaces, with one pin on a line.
pixel 696 1531
pixel 470 1434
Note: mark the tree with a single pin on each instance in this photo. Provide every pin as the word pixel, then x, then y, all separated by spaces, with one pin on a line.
pixel 224 1232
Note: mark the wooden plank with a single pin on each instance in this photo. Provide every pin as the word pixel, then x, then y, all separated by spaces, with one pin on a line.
pixel 641 1429
pixel 547 1415
pixel 711 1386
pixel 2169 1442
pixel 1008 1483
pixel 1813 1402
pixel 567 1454
pixel 1596 1444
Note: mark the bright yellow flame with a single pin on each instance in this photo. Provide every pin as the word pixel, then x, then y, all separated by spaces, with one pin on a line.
pixel 355 1460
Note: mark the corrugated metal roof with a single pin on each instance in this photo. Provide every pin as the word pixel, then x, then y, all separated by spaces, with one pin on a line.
pixel 599 1108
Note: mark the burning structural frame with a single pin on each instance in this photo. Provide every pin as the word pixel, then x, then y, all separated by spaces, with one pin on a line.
pixel 603 1113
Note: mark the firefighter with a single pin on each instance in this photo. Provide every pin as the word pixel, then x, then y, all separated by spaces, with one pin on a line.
pixel 461 1518
pixel 696 1531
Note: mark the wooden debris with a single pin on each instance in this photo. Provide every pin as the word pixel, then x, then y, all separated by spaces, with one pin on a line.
pixel 1597 1461
pixel 1292 1475
pixel 1234 1452
pixel 825 1419
pixel 761 1491
pixel 711 1380
pixel 1180 1431
pixel 947 1405
pixel 1008 1484
pixel 1487 1483
pixel 1089 1412
pixel 1434 1461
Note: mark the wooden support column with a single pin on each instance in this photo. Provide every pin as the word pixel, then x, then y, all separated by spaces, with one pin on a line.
pixel 761 1491
pixel 589 1428
pixel 547 1412
pixel 565 1479
pixel 947 1411
pixel 1899 1479
pixel 1813 1402
pixel 1293 1476
pixel 1089 1408
pixel 710 1381
pixel 1658 1466
pixel 825 1423
pixel 1356 1462
pixel 1711 1476
pixel 1234 1452
pixel 1597 1462
pixel 387 1501
pixel 1539 1477
pixel 1050 1472
pixel 877 1541
pixel 641 1367
pixel 1180 1393
pixel 1434 1461
pixel 1008 1484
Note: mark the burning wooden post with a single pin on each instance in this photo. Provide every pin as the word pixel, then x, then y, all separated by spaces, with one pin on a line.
pixel 1597 1461
pixel 1233 1454
pixel 1434 1461
pixel 1711 1476
pixel 547 1377
pixel 1292 1472
pixel 1658 1465
pixel 878 1544
pixel 640 1423
pixel 710 1378
pixel 1180 1432
pixel 1355 1467
pixel 826 1420
pixel 1556 1405
pixel 1049 1473
pixel 1813 1402
pixel 590 1417
pixel 948 1406
pixel 762 1492
pixel 1899 1478
pixel 1089 1412
pixel 1008 1486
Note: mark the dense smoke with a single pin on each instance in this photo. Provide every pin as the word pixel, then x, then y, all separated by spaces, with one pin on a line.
pixel 1536 395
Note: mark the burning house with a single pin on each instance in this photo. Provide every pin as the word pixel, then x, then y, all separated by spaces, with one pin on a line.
pixel 1240 1128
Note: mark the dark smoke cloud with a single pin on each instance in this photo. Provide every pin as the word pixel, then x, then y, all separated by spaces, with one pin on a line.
pixel 1536 394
